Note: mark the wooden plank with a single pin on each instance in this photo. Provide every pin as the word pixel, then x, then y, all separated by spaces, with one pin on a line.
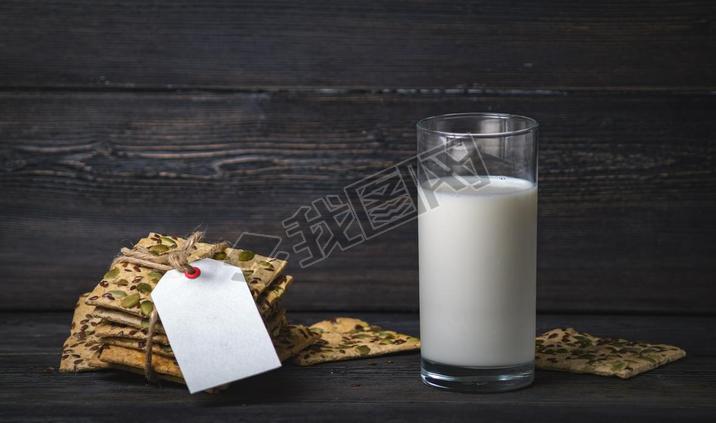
pixel 386 388
pixel 374 44
pixel 627 189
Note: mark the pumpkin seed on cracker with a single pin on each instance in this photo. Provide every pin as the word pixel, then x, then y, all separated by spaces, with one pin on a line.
pixel 246 255
pixel 168 240
pixel 158 249
pixel 111 273
pixel 118 293
pixel 147 307
pixel 130 301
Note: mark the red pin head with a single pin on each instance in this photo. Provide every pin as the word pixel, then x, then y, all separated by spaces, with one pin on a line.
pixel 193 275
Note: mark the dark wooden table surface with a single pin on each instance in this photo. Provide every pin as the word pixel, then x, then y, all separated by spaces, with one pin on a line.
pixel 380 389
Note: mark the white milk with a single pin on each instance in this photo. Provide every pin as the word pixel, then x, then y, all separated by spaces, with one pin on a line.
pixel 478 265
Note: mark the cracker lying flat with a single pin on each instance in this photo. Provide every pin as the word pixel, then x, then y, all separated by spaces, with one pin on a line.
pixel 125 286
pixel 345 338
pixel 81 350
pixel 580 352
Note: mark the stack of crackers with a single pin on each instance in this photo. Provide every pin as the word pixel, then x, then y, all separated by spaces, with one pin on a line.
pixel 109 326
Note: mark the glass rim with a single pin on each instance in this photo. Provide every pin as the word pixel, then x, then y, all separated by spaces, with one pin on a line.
pixel 532 124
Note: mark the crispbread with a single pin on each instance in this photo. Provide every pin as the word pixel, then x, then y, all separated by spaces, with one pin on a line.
pixel 266 304
pixel 128 336
pixel 158 375
pixel 293 338
pixel 580 352
pixel 129 357
pixel 276 322
pixel 116 316
pixel 259 270
pixel 125 281
pixel 80 352
pixel 270 297
pixel 289 339
pixel 346 338
pixel 113 330
pixel 139 344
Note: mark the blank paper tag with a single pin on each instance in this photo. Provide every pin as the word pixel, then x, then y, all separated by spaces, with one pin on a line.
pixel 213 326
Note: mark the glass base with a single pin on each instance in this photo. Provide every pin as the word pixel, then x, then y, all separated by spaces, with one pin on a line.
pixel 476 379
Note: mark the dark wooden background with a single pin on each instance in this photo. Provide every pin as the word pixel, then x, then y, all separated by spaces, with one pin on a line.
pixel 122 117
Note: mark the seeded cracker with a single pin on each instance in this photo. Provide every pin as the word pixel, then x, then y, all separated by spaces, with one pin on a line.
pixel 276 322
pixel 293 339
pixel 120 318
pixel 80 351
pixel 132 358
pixel 259 271
pixel 270 297
pixel 346 338
pixel 139 345
pixel 267 304
pixel 580 352
pixel 119 325
pixel 126 287
pixel 129 337
pixel 112 330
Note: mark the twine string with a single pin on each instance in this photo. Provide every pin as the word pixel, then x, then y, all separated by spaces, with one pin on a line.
pixel 148 370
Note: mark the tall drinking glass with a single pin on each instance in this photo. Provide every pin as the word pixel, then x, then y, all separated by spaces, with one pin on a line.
pixel 477 187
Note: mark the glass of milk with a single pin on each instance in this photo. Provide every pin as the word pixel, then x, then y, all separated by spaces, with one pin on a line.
pixel 477 190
